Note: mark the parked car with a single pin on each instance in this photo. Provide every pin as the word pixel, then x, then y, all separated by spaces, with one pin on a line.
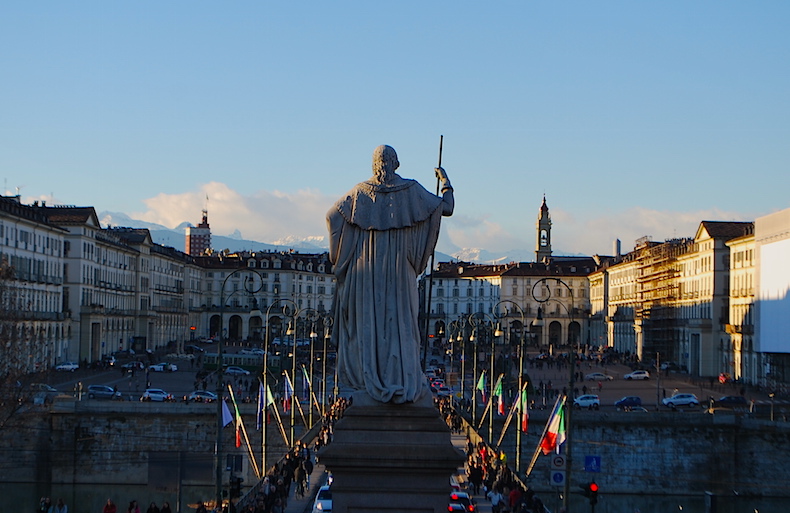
pixel 589 401
pixel 598 376
pixel 253 350
pixel 162 367
pixel 628 402
pixel 463 499
pixel 103 392
pixel 323 500
pixel 156 394
pixel 135 365
pixel 68 366
pixel 202 396
pixel 41 393
pixel 689 400
pixel 236 371
pixel 637 374
pixel 732 401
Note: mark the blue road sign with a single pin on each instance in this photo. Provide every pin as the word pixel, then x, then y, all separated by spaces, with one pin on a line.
pixel 592 463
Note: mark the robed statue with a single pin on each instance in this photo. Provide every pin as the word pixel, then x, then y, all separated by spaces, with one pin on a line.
pixel 382 234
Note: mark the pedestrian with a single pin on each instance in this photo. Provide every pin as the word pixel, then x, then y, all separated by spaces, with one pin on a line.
pixel 60 507
pixel 600 386
pixel 165 508
pixel 153 508
pixel 110 507
pixel 44 505
pixel 133 507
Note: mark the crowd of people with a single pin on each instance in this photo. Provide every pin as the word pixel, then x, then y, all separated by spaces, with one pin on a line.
pixel 489 475
pixel 291 476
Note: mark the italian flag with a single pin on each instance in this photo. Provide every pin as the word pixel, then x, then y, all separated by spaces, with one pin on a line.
pixel 288 394
pixel 524 409
pixel 481 385
pixel 555 432
pixel 500 394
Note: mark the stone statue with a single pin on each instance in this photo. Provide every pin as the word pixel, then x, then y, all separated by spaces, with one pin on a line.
pixel 382 234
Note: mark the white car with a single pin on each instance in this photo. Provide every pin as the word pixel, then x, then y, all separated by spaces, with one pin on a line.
pixel 164 366
pixel 156 394
pixel 68 366
pixel 323 500
pixel 637 374
pixel 598 376
pixel 589 401
pixel 254 350
pixel 236 371
pixel 689 400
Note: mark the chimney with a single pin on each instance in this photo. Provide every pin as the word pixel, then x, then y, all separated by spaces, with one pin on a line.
pixel 616 248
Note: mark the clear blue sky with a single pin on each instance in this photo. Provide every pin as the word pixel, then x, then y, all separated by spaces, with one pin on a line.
pixel 634 118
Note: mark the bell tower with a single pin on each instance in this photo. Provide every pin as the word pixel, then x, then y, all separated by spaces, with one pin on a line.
pixel 543 246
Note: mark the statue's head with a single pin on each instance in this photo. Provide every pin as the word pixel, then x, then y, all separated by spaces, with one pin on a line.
pixel 385 162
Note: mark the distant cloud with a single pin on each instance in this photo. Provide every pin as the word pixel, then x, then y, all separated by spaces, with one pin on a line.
pixel 269 216
pixel 258 214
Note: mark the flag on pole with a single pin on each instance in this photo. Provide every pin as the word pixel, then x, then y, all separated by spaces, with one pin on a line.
pixel 305 384
pixel 524 409
pixel 238 428
pixel 555 433
pixel 481 385
pixel 501 396
pixel 287 394
pixel 227 418
pixel 269 402
pixel 261 405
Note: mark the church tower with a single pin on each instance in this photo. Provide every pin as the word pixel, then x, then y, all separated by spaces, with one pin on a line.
pixel 198 239
pixel 543 247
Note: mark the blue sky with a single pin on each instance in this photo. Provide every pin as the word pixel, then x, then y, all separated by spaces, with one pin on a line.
pixel 633 118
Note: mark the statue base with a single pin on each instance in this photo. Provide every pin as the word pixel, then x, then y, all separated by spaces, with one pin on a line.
pixel 387 457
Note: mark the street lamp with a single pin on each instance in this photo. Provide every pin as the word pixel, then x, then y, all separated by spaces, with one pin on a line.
pixel 327 322
pixel 546 297
pixel 266 376
pixel 480 325
pixel 312 317
pixel 220 370
pixel 520 377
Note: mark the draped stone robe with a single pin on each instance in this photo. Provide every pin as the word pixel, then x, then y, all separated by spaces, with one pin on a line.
pixel 381 237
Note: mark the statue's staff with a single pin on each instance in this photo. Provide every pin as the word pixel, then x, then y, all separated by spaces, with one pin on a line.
pixel 430 278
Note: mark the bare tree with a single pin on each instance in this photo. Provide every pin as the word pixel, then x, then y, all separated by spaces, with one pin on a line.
pixel 16 343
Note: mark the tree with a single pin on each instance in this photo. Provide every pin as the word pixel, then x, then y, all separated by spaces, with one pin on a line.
pixel 17 341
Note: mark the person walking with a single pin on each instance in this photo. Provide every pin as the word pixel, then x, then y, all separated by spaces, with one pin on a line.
pixel 60 507
pixel 110 507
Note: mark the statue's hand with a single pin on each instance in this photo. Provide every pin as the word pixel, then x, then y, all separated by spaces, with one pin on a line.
pixel 440 174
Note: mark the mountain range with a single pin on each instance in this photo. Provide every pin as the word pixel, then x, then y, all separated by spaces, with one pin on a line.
pixel 175 238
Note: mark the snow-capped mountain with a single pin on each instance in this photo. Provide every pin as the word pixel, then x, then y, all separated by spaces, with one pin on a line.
pixel 174 237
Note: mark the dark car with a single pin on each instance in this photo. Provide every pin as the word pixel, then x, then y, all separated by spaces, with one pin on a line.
pixel 193 350
pixel 103 392
pixel 627 402
pixel 732 401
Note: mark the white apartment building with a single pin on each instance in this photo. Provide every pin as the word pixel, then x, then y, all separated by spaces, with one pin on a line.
pixel 31 297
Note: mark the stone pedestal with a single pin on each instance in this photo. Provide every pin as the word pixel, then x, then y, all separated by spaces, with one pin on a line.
pixel 387 457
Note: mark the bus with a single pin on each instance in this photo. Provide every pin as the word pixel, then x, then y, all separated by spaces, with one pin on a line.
pixel 250 362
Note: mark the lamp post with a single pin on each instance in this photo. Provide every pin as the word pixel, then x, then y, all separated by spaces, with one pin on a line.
pixel 220 370
pixel 312 317
pixel 327 322
pixel 266 376
pixel 479 325
pixel 521 405
pixel 571 378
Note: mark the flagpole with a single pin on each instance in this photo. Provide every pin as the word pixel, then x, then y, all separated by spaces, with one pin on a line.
pixel 488 407
pixel 545 429
pixel 279 420
pixel 250 454
pixel 513 409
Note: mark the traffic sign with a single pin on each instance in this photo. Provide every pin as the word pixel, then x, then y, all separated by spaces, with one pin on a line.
pixel 592 463
pixel 557 477
pixel 558 462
